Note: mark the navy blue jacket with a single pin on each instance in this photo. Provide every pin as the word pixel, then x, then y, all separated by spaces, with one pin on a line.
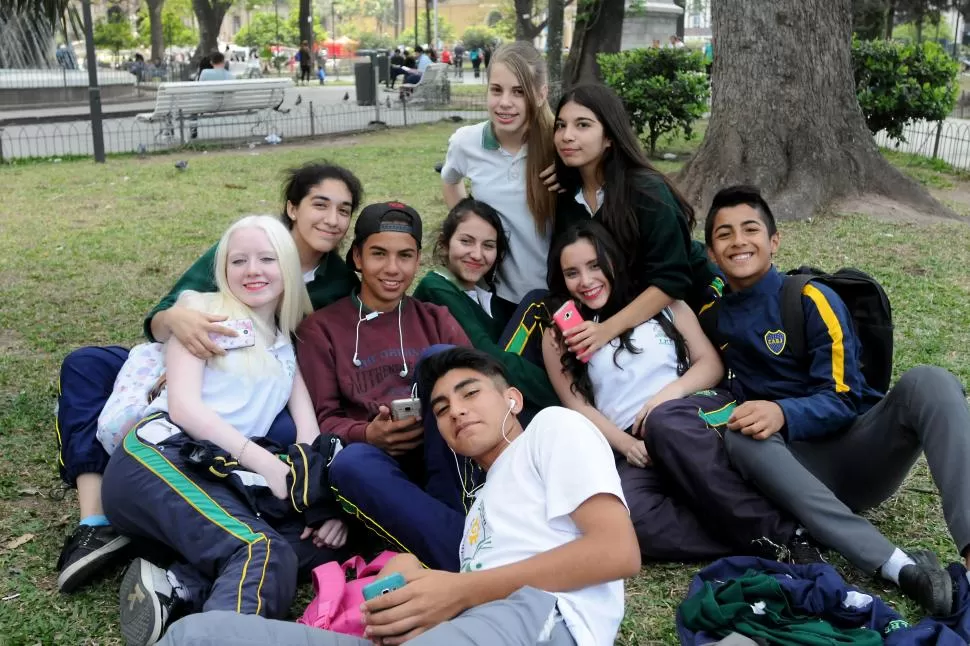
pixel 819 396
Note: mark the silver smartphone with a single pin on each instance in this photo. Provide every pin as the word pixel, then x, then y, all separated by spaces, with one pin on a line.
pixel 404 408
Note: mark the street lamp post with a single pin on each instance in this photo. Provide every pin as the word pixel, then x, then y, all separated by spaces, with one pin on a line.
pixel 94 91
pixel 333 39
pixel 276 6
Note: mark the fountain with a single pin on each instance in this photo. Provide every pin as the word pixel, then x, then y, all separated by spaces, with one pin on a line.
pixel 34 72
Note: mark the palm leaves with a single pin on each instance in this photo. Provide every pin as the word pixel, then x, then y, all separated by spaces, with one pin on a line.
pixel 50 10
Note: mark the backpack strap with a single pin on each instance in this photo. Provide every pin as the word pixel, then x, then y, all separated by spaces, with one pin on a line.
pixel 792 312
pixel 708 320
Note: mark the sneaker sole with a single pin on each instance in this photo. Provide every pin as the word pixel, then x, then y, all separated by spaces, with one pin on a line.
pixel 141 611
pixel 78 573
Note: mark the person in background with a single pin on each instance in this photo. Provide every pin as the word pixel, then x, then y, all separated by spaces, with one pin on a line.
pixel 217 70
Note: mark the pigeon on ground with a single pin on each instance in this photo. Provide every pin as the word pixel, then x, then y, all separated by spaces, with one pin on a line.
pixel 388 103
pixel 273 138
pixel 142 150
pixel 346 96
pixel 299 99
pixel 181 164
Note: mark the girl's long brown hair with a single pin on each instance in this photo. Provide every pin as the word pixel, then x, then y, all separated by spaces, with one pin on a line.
pixel 525 63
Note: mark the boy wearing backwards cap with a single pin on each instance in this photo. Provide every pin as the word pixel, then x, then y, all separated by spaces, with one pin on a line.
pixel 358 355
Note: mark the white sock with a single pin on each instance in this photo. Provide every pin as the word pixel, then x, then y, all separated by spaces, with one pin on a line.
pixel 177 587
pixel 891 568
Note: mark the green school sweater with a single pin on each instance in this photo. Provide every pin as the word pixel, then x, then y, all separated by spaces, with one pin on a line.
pixel 731 608
pixel 438 287
pixel 666 256
pixel 332 281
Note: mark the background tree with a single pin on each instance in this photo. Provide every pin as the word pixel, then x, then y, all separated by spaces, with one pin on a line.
pixel 382 11
pixel 920 13
pixel 599 28
pixel 933 28
pixel 155 22
pixel 869 19
pixel 446 30
pixel 785 116
pixel 554 39
pixel 113 32
pixel 175 33
pixel 209 14
pixel 475 37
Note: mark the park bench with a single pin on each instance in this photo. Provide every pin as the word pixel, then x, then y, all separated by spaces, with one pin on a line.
pixel 432 89
pixel 199 100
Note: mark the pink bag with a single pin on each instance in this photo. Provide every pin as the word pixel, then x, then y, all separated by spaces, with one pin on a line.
pixel 336 601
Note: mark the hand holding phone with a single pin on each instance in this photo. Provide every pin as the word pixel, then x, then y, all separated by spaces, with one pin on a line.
pixel 245 335
pixel 383 586
pixel 404 408
pixel 568 317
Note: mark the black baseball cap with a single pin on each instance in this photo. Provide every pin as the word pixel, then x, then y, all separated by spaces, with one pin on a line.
pixel 384 217
pixel 387 217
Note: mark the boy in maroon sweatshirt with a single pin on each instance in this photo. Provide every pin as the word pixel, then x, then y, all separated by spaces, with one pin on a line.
pixel 357 356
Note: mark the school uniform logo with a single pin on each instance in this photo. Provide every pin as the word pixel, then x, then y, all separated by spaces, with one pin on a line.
pixel 775 340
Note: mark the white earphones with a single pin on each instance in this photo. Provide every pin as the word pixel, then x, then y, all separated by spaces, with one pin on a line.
pixel 504 437
pixel 370 317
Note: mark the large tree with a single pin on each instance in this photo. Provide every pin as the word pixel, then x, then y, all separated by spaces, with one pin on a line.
pixel 155 22
pixel 599 28
pixel 554 39
pixel 784 114
pixel 210 14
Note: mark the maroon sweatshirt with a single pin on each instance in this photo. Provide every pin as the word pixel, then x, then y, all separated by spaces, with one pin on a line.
pixel 346 397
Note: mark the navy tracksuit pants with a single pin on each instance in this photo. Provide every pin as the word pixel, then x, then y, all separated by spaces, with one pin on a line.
pixel 230 557
pixel 419 510
pixel 87 378
pixel 692 504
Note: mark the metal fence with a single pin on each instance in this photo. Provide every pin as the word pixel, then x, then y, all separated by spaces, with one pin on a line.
pixel 948 141
pixel 128 134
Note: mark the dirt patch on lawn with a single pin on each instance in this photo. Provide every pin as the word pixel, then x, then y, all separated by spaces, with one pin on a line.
pixel 887 209
pixel 11 343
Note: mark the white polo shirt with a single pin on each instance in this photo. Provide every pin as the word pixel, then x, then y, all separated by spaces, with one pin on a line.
pixel 498 179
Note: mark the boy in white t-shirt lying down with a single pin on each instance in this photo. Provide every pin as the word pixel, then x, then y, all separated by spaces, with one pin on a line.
pixel 547 543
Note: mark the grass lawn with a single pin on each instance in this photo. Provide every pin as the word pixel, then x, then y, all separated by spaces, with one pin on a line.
pixel 85 251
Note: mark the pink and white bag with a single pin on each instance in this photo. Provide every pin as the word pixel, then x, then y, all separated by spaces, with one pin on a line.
pixel 336 601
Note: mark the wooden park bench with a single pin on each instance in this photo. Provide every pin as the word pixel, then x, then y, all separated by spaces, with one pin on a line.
pixel 433 88
pixel 198 100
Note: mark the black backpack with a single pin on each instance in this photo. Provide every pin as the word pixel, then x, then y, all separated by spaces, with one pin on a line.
pixel 868 306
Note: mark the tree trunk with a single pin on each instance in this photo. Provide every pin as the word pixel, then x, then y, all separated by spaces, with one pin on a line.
pixel 554 40
pixel 890 19
pixel 803 141
pixel 428 8
pixel 210 14
pixel 599 28
pixel 155 24
pixel 306 23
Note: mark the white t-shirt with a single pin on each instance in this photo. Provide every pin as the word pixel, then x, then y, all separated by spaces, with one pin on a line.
pixel 248 402
pixel 498 179
pixel 621 392
pixel 559 462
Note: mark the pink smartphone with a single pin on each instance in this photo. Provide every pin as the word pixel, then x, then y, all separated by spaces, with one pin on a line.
pixel 567 317
pixel 245 338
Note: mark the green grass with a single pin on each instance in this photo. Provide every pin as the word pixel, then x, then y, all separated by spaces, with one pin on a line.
pixel 85 251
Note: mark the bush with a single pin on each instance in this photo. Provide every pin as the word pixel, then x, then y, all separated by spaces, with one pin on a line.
pixel 898 83
pixel 475 37
pixel 664 90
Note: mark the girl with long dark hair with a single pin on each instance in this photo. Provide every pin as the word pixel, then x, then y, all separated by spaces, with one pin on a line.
pixel 650 391
pixel 605 176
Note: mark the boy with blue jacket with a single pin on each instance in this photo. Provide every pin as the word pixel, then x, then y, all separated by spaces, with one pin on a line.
pixel 811 434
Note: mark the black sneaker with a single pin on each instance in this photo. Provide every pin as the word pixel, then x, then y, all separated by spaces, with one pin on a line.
pixel 85 552
pixel 927 583
pixel 147 600
pixel 802 550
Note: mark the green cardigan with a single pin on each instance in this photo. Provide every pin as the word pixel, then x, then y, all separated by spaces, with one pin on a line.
pixel 440 288
pixel 332 281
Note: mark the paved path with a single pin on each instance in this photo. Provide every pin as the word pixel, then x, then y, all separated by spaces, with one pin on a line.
pixel 318 94
pixel 126 135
